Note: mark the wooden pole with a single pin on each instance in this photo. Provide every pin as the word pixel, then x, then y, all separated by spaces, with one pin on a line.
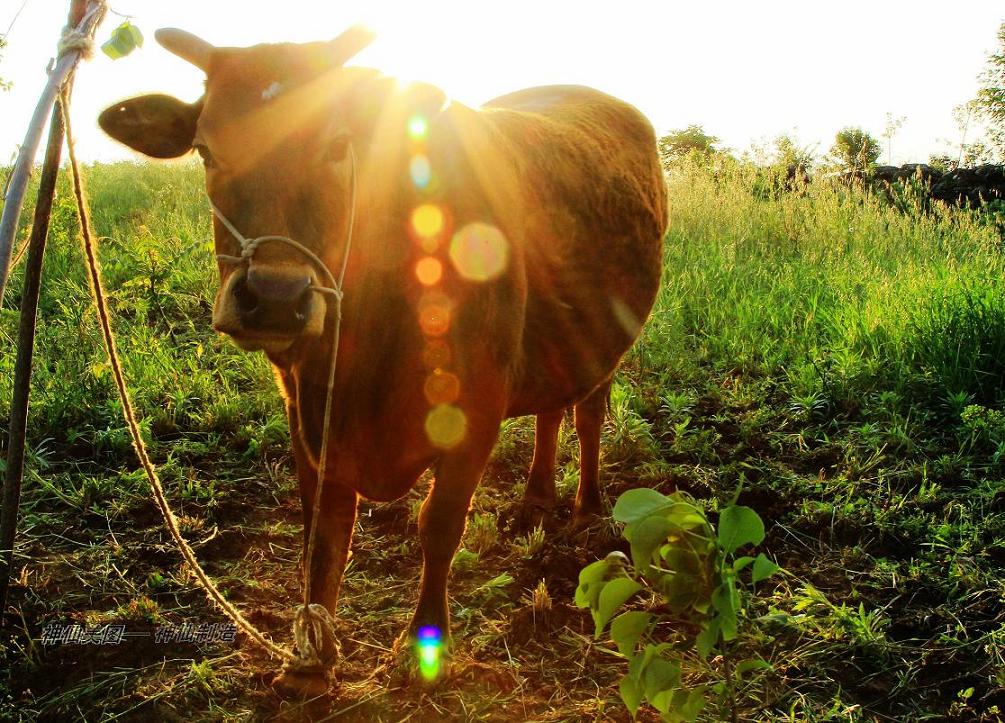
pixel 17 428
pixel 18 186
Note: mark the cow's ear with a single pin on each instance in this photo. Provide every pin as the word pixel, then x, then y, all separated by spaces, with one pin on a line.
pixel 156 125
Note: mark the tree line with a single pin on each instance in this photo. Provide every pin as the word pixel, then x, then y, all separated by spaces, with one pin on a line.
pixel 857 151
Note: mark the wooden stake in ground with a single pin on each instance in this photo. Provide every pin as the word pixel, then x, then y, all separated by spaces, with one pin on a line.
pixel 85 15
pixel 79 10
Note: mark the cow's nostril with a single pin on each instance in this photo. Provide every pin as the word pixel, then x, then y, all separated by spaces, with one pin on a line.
pixel 303 306
pixel 247 302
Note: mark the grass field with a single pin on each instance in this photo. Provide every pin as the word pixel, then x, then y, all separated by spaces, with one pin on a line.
pixel 837 356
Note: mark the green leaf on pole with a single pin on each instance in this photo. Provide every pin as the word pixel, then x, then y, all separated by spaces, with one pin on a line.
pixel 125 39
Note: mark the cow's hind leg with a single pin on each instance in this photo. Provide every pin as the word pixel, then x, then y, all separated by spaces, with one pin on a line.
pixel 590 415
pixel 539 497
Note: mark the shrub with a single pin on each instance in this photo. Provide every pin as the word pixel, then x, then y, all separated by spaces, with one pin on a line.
pixel 679 558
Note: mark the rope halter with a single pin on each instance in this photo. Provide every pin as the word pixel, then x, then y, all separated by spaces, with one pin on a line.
pixel 250 245
pixel 313 625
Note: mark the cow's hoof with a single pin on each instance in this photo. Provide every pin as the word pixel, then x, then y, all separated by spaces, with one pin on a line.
pixel 586 512
pixel 301 684
pixel 533 515
pixel 586 516
pixel 416 661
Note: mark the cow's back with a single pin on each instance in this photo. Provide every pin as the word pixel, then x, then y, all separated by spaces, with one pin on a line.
pixel 594 214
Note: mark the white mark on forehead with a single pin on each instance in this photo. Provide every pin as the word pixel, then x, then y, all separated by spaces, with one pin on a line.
pixel 274 89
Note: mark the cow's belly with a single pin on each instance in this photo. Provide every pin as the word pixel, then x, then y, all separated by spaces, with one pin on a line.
pixel 576 333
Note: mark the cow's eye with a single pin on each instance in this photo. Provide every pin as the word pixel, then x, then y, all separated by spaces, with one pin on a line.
pixel 203 151
pixel 337 149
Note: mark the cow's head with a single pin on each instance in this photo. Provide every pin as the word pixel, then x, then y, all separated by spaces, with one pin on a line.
pixel 273 129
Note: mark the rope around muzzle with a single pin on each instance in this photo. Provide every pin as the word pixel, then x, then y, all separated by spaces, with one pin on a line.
pixel 313 625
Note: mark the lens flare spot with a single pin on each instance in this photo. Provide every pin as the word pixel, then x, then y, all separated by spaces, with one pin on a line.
pixel 436 355
pixel 446 426
pixel 479 251
pixel 429 650
pixel 418 127
pixel 427 220
pixel 429 271
pixel 442 388
pixel 434 313
pixel 420 171
pixel 626 318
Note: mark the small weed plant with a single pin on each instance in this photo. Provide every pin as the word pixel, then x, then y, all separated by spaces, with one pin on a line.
pixel 688 578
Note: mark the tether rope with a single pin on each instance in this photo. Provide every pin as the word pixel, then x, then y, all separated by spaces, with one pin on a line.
pixel 311 621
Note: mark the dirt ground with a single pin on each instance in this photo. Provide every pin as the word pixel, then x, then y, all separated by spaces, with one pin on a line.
pixel 512 658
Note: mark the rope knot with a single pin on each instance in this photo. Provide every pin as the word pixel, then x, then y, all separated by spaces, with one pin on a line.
pixel 74 40
pixel 249 247
pixel 314 634
pixel 79 39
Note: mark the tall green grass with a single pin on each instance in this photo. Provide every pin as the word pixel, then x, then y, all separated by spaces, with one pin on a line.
pixel 159 271
pixel 834 293
pixel 832 289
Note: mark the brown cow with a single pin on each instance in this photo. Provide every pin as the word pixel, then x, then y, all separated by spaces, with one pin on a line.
pixel 502 262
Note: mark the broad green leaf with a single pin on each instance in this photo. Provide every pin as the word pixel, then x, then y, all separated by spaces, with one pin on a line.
pixel 680 591
pixel 763 568
pixel 636 504
pixel 741 562
pixel 739 526
pixel 688 703
pixel 681 559
pixel 660 675
pixel 124 40
pixel 648 535
pixel 591 580
pixel 661 701
pixel 686 515
pixel 631 694
pixel 594 572
pixel 627 628
pixel 612 596
pixel 637 665
pixel 745 666
pixel 708 638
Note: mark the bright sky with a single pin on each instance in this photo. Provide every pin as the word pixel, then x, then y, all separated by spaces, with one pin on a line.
pixel 746 71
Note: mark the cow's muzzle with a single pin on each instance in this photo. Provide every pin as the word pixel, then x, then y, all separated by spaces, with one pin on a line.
pixel 263 307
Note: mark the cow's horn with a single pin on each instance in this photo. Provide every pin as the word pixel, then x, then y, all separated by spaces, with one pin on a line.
pixel 350 42
pixel 186 46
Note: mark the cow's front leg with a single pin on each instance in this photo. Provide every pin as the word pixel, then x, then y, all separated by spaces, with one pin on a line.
pixel 327 565
pixel 441 525
pixel 334 534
